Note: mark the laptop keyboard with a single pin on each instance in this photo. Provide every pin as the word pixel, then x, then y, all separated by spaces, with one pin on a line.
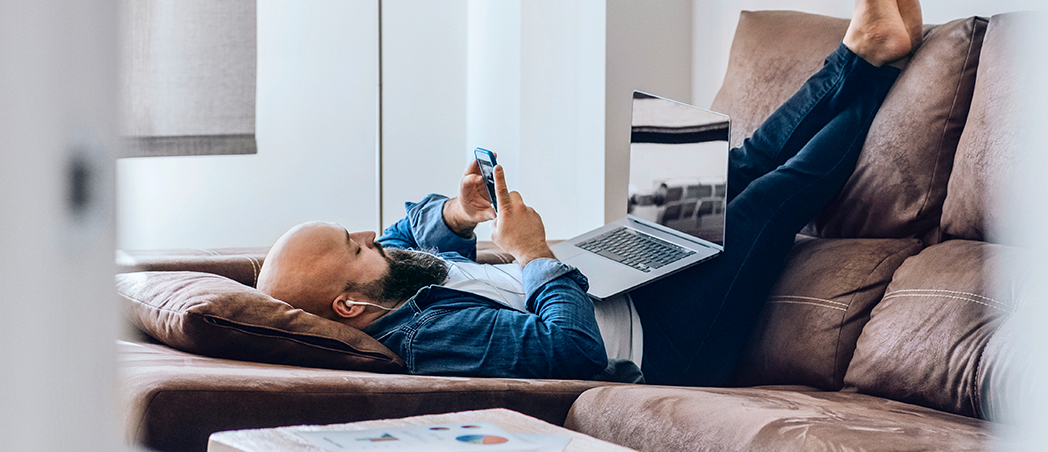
pixel 641 251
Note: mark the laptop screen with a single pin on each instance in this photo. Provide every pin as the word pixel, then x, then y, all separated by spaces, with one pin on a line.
pixel 678 166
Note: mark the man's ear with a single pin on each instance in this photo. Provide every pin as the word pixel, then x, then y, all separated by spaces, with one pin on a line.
pixel 344 310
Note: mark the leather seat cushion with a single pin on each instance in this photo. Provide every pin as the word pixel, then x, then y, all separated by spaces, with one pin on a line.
pixel 175 400
pixel 754 419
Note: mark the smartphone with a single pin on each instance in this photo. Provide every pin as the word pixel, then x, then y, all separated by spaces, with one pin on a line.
pixel 486 162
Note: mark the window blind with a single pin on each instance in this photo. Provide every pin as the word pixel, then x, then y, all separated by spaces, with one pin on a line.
pixel 189 77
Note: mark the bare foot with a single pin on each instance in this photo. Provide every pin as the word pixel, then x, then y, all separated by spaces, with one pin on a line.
pixel 877 32
pixel 910 10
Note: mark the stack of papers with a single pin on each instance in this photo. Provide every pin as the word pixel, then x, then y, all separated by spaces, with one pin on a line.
pixel 478 436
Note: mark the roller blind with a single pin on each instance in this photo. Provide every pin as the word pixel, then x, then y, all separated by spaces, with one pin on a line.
pixel 189 77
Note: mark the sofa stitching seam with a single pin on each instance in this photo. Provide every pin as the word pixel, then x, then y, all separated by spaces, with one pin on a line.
pixel 146 407
pixel 967 299
pixel 254 268
pixel 807 303
pixel 798 297
pixel 946 291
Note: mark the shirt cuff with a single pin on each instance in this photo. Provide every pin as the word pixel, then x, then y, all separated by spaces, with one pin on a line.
pixel 429 229
pixel 543 270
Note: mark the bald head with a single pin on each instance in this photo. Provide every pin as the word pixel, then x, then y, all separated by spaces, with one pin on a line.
pixel 313 264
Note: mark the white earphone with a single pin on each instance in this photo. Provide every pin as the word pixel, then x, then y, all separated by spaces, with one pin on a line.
pixel 362 303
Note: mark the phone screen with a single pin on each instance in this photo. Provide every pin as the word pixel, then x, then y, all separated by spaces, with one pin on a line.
pixel 486 162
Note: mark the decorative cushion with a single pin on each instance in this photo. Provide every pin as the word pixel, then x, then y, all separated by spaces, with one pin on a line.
pixel 215 316
pixel 926 342
pixel 900 181
pixel 807 331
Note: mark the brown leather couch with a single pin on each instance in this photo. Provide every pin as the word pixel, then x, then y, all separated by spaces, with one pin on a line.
pixel 887 331
pixel 174 400
pixel 892 327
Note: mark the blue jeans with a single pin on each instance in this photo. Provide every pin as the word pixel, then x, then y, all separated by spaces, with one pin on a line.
pixel 696 322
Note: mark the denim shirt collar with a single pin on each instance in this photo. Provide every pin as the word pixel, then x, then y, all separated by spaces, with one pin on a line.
pixel 426 297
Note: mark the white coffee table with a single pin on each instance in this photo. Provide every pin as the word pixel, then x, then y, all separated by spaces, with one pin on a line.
pixel 285 439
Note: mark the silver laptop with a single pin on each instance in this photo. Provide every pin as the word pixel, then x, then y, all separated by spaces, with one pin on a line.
pixel 677 195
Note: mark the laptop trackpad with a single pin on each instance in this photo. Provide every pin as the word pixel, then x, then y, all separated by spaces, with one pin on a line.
pixel 606 277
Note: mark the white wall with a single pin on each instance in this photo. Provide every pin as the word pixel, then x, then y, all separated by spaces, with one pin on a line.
pixel 316 126
pixel 526 79
pixel 423 101
pixel 493 86
pixel 562 113
pixel 649 48
pixel 547 86
pixel 714 27
pixel 60 317
pixel 522 78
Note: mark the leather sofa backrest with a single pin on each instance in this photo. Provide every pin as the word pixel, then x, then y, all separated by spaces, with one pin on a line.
pixel 975 203
pixel 900 181
pixel 945 335
pixel 808 330
pixel 772 54
pixel 239 264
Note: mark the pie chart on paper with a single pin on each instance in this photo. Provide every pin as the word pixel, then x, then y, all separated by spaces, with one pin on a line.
pixel 482 439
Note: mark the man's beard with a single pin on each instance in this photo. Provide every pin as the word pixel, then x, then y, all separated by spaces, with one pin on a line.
pixel 409 271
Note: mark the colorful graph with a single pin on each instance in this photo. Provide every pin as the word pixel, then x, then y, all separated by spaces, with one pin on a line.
pixel 383 438
pixel 482 439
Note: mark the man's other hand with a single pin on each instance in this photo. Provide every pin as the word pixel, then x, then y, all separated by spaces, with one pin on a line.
pixel 518 228
pixel 472 206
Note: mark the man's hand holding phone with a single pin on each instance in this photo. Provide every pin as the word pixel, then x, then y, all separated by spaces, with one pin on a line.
pixel 518 228
pixel 471 207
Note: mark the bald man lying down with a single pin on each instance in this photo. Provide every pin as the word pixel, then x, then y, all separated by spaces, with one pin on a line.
pixel 418 290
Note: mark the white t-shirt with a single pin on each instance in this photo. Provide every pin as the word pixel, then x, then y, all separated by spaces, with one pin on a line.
pixel 616 317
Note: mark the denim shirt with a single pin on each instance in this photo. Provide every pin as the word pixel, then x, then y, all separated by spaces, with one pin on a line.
pixel 443 331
